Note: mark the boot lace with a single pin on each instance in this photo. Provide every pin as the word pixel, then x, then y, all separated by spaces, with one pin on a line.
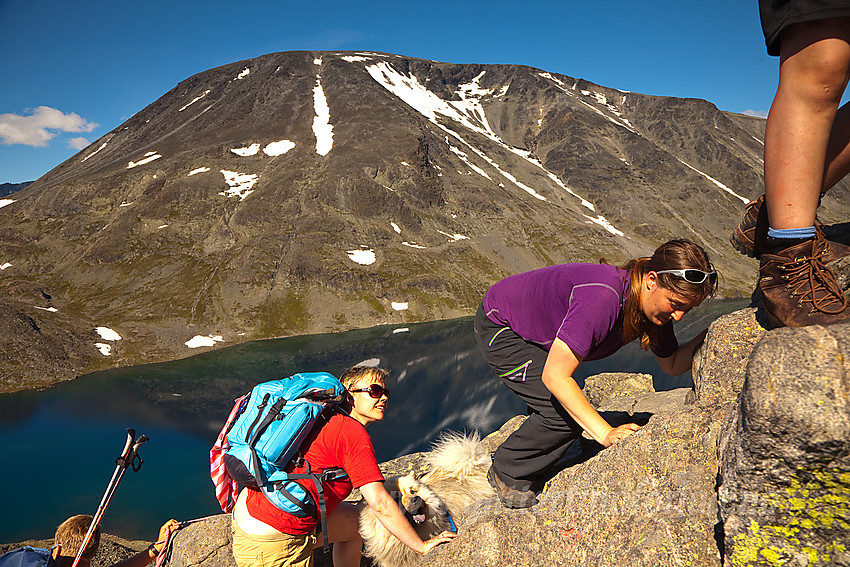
pixel 809 279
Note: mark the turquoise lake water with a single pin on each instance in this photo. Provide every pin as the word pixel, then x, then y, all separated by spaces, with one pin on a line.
pixel 59 445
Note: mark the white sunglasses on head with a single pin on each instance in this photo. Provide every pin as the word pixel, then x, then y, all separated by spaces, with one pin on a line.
pixel 692 275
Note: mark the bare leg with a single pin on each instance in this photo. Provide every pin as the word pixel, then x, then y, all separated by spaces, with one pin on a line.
pixel 813 73
pixel 343 525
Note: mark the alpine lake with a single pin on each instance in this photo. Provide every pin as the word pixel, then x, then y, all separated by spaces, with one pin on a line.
pixel 59 445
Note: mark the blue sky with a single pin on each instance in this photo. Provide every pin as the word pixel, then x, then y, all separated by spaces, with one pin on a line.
pixel 73 71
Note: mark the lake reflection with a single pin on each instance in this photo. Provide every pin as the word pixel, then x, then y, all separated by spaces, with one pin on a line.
pixel 59 445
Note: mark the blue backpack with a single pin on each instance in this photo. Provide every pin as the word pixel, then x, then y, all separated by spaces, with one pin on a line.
pixel 274 420
pixel 27 557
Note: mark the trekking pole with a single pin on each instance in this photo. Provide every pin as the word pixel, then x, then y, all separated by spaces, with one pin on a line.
pixel 129 458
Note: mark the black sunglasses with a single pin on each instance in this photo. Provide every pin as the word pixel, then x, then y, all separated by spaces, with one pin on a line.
pixel 374 390
pixel 692 275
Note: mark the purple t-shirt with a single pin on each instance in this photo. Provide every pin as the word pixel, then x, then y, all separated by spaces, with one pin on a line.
pixel 581 304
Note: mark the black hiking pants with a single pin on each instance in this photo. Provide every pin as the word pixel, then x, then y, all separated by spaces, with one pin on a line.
pixel 526 458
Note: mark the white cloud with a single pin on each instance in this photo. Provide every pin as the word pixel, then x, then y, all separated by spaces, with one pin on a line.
pixel 41 126
pixel 756 113
pixel 78 143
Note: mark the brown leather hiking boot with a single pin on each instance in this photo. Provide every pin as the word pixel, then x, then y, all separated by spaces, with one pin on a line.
pixel 510 497
pixel 798 289
pixel 750 236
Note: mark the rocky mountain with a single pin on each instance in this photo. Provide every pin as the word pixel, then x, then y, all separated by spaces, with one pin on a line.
pixel 305 192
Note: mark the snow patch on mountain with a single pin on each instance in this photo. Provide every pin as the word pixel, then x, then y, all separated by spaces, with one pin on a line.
pixel 103 145
pixel 322 127
pixel 107 334
pixel 194 100
pixel 598 97
pixel 454 236
pixel 240 184
pixel 716 182
pixel 104 348
pixel 149 157
pixel 465 158
pixel 278 148
pixel 251 150
pixel 365 256
pixel 203 341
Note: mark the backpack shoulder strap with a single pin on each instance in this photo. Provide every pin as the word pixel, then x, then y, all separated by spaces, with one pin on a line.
pixel 318 511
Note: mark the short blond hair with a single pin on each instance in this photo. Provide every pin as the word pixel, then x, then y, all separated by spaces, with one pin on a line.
pixel 71 533
pixel 353 375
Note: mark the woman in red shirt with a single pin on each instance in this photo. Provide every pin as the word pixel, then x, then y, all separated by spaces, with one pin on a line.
pixel 265 536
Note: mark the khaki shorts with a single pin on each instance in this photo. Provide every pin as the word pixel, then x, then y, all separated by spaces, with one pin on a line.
pixel 280 550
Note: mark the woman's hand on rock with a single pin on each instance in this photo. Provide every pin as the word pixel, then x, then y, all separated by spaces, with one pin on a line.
pixel 618 433
pixel 442 537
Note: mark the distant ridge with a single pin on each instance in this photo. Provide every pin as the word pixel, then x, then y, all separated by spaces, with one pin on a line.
pixel 307 192
pixel 9 188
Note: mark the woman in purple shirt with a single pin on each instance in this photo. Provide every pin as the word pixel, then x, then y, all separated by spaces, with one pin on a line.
pixel 534 329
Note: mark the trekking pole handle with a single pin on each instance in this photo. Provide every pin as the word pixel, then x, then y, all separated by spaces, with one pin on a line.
pixel 135 460
pixel 142 439
pixel 131 436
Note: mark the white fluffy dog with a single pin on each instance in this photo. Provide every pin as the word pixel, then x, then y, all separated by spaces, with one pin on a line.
pixel 456 477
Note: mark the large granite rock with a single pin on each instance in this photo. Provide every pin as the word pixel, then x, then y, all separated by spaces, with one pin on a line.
pixel 720 364
pixel 785 453
pixel 600 387
pixel 648 500
pixel 207 542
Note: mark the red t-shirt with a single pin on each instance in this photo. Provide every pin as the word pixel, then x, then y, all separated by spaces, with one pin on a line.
pixel 341 442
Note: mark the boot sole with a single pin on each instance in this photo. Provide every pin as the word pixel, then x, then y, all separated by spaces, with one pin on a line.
pixel 513 506
pixel 742 246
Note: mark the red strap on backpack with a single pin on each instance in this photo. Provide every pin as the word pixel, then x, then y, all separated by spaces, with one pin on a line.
pixel 226 489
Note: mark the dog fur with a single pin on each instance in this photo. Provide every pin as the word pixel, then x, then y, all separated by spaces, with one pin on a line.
pixel 456 478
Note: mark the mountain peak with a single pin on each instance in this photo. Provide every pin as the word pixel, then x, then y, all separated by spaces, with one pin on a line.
pixel 305 192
